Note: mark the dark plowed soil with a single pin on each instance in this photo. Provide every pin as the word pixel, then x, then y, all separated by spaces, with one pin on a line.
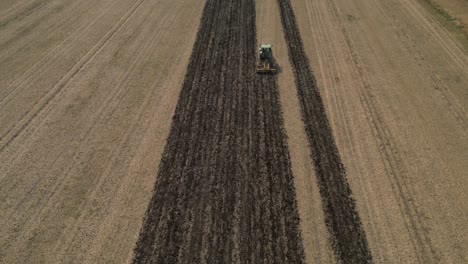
pixel 344 225
pixel 224 192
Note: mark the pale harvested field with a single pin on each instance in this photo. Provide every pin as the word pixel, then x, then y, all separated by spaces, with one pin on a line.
pixel 88 91
pixel 394 82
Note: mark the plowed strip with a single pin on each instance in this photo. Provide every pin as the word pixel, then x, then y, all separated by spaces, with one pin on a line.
pixel 348 237
pixel 224 192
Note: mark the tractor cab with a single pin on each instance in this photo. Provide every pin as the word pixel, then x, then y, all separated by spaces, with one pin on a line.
pixel 265 52
pixel 265 62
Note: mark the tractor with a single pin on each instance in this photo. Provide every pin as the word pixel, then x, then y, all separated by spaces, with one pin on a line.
pixel 266 62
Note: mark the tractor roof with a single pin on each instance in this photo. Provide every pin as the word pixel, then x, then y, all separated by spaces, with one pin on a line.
pixel 265 46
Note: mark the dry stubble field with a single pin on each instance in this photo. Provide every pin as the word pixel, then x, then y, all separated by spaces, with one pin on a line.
pixel 89 89
pixel 88 92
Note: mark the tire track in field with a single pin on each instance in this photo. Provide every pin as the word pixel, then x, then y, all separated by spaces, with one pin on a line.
pixel 224 192
pixel 46 61
pixel 118 151
pixel 29 22
pixel 416 228
pixel 109 104
pixel 43 205
pixel 36 124
pixel 438 32
pixel 447 95
pixel 4 15
pixel 341 216
pixel 29 8
pixel 11 134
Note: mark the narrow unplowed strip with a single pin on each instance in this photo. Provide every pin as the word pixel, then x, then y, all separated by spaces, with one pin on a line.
pixel 348 237
pixel 224 192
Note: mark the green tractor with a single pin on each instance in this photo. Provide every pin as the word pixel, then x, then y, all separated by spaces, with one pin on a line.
pixel 266 62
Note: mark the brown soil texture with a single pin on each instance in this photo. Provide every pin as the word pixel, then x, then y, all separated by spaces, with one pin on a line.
pixel 341 216
pixel 224 192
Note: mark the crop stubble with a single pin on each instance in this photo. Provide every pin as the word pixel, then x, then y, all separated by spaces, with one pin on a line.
pixel 224 191
pixel 341 216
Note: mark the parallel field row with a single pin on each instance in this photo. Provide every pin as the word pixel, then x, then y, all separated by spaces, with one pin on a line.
pixel 224 191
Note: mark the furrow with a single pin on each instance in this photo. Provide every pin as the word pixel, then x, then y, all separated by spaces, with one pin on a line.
pixel 341 216
pixel 224 190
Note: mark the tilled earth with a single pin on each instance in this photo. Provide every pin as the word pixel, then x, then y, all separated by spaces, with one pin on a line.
pixel 224 191
pixel 341 216
pixel 253 168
